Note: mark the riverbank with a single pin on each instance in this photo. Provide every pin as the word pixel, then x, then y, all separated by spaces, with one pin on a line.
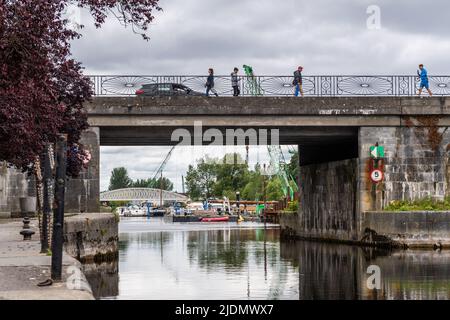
pixel 22 267
pixel 408 230
pixel 88 237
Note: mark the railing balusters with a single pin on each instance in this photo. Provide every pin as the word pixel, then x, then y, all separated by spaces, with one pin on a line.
pixel 319 86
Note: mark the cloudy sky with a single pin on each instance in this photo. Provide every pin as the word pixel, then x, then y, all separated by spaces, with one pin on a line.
pixel 325 36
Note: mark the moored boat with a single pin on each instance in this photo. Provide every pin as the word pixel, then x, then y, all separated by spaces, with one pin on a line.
pixel 218 219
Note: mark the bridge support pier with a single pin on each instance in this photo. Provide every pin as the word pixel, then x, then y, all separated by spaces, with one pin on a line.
pixel 83 193
pixel 328 193
pixel 339 202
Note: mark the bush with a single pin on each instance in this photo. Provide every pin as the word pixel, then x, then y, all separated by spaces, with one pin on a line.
pixel 292 206
pixel 427 204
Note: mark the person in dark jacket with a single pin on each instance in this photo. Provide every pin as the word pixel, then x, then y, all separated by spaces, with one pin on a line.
pixel 210 83
pixel 235 82
pixel 298 81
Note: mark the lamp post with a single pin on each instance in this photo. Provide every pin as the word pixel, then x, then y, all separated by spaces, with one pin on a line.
pixel 238 199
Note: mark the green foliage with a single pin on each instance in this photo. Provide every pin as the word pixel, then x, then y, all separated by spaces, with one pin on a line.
pixel 200 180
pixel 119 179
pixel 292 206
pixel 214 178
pixel 293 165
pixel 160 183
pixel 427 204
pixel 115 204
pixel 232 174
pixel 253 190
pixel 274 190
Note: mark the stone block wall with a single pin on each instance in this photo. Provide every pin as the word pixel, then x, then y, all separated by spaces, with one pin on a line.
pixel 91 236
pixel 416 164
pixel 328 201
pixel 410 228
pixel 13 186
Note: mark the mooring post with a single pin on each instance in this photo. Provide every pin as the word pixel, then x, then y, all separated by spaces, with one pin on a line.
pixel 58 208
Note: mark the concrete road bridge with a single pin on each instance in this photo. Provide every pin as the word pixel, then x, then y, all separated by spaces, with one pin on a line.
pixel 333 133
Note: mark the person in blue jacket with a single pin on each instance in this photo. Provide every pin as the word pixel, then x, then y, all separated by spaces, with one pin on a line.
pixel 423 75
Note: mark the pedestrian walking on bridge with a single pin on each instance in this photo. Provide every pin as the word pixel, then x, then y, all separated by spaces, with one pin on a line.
pixel 298 81
pixel 235 82
pixel 423 75
pixel 210 83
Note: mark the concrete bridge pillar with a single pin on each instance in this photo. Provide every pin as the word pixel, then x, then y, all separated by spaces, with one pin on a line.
pixel 328 192
pixel 83 193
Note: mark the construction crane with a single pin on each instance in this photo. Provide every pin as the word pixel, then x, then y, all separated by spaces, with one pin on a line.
pixel 163 164
pixel 159 171
pixel 278 167
pixel 252 84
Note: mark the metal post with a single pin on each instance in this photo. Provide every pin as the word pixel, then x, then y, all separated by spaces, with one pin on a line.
pixel 58 208
pixel 161 191
pixel 264 196
pixel 47 178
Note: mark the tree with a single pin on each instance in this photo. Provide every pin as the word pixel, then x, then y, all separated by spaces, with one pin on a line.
pixel 166 184
pixel 193 188
pixel 231 176
pixel 200 181
pixel 119 179
pixel 293 165
pixel 274 189
pixel 42 90
pixel 253 190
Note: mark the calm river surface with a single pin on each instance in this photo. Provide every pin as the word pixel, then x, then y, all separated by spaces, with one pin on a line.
pixel 197 261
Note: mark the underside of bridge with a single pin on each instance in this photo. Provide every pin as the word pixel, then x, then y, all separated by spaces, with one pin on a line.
pixel 334 136
pixel 316 144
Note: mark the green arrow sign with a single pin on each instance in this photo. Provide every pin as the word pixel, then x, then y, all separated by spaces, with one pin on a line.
pixel 376 152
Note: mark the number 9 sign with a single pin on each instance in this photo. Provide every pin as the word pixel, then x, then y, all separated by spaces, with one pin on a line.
pixel 376 175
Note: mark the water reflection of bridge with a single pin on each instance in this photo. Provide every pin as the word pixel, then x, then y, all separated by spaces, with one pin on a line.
pixel 332 271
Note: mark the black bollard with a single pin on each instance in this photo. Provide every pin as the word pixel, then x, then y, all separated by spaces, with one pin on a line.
pixel 26 231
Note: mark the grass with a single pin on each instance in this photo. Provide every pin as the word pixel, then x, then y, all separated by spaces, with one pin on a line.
pixel 427 204
pixel 291 207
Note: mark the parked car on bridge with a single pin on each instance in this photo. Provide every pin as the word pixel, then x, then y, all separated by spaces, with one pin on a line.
pixel 166 89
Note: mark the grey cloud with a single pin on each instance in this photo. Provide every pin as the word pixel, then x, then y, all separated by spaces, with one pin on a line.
pixel 325 36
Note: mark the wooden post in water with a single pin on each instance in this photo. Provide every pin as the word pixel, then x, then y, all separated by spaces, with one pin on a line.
pixel 58 208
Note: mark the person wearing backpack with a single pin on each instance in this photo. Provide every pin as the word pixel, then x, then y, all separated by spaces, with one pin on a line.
pixel 298 81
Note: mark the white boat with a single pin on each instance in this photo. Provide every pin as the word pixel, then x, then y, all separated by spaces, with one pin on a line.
pixel 194 207
pixel 120 211
pixel 135 211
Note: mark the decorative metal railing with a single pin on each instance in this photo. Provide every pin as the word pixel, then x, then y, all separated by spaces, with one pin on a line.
pixel 316 86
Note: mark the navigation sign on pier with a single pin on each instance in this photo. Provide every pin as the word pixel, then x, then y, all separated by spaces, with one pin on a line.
pixel 376 175
pixel 376 152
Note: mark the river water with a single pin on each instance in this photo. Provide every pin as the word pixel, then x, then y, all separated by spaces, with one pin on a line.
pixel 196 261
